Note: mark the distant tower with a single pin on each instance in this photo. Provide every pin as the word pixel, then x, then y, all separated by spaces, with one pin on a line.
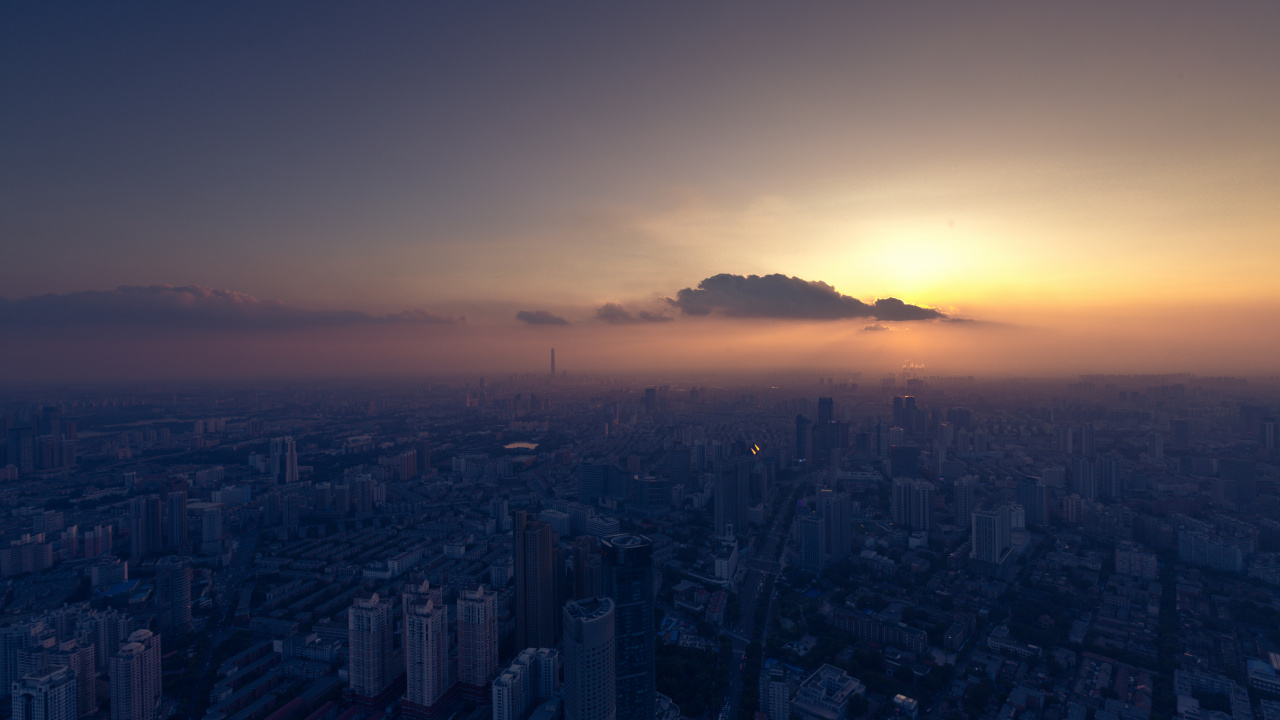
pixel 553 362
pixel 369 624
pixel 477 640
pixel 173 595
pixel 47 695
pixel 589 685
pixel 144 526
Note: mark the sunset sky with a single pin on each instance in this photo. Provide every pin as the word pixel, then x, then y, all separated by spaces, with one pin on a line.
pixel 448 187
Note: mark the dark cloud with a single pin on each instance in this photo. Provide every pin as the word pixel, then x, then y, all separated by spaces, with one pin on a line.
pixel 540 317
pixel 615 314
pixel 191 306
pixel 779 296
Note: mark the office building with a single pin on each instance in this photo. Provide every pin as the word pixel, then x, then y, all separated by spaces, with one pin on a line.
pixel 628 561
pixel 536 582
pixel 990 536
pixel 912 504
pixel 1033 496
pixel 173 595
pixel 589 684
pixel 813 543
pixel 836 510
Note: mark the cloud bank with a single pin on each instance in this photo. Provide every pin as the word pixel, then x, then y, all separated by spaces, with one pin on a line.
pixel 779 296
pixel 540 317
pixel 615 314
pixel 191 306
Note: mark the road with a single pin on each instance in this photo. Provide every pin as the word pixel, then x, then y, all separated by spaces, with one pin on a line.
pixel 764 565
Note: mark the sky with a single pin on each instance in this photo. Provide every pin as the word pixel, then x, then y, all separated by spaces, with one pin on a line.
pixel 263 190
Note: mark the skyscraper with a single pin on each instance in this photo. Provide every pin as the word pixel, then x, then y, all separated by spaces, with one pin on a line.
pixel 534 560
pixel 836 509
pixel 291 461
pixel 176 521
pixel 729 505
pixel 813 543
pixel 477 640
pixel 426 654
pixel 49 694
pixel 369 624
pixel 589 664
pixel 629 566
pixel 135 678
pixel 144 526
pixel 173 595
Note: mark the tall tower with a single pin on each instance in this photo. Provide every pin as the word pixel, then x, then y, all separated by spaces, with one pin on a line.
pixel 553 362
pixel 589 684
pixel 46 695
pixel 291 460
pixel 135 678
pixel 176 521
pixel 369 624
pixel 173 595
pixel 629 563
pixel 426 654
pixel 534 559
pixel 477 640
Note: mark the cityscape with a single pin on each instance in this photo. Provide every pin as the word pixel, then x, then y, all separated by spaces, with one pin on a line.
pixel 639 361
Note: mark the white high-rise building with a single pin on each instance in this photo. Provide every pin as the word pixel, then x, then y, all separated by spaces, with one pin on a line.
pixel 426 653
pixel 135 678
pixel 46 695
pixel 590 691
pixel 369 622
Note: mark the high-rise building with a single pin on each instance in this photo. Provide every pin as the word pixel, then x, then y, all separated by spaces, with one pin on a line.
pixel 836 509
pixel 1088 441
pixel 78 659
pixel 211 529
pixel 589 664
pixel 426 654
pixel 46 695
pixel 144 526
pixel 1084 477
pixel 588 568
pixel 628 561
pixel 291 461
pixel 369 625
pixel 175 525
pixel 775 691
pixel 990 536
pixel 477 640
pixel 813 543
pixel 536 584
pixel 912 503
pixel 1033 496
pixel 135 678
pixel 804 438
pixel 173 595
